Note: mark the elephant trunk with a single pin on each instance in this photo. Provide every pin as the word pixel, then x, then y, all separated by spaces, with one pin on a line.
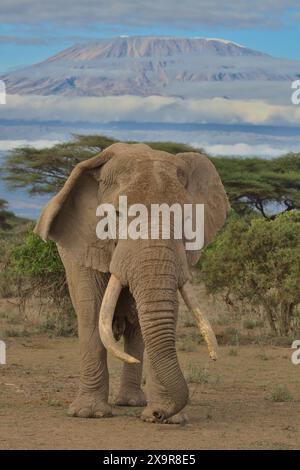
pixel 154 287
pixel 153 282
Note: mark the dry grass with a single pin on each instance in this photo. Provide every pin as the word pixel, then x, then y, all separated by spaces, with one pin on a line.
pixel 280 394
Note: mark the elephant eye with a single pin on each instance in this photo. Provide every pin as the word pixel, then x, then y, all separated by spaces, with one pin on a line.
pixel 181 175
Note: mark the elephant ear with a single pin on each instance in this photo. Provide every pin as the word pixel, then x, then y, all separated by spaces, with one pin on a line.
pixel 205 187
pixel 69 219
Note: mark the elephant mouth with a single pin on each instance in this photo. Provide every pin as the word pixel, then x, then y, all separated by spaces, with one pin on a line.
pixel 107 310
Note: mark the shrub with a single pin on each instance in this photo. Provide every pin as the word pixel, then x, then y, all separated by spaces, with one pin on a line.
pixel 39 272
pixel 258 260
pixel 37 259
pixel 60 323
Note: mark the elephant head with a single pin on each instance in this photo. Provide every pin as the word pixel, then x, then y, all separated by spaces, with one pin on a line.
pixel 153 270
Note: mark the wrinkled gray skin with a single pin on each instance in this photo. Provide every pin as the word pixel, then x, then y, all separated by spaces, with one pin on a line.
pixel 150 271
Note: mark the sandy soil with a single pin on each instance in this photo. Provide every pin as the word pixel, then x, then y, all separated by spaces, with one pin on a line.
pixel 231 407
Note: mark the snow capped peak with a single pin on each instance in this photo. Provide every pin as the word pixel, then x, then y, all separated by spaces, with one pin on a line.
pixel 223 41
pixel 142 66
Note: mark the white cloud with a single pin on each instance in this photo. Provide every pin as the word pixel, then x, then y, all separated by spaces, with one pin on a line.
pixel 202 13
pixel 38 144
pixel 148 109
pixel 243 149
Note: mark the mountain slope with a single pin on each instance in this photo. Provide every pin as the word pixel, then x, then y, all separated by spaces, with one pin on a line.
pixel 147 66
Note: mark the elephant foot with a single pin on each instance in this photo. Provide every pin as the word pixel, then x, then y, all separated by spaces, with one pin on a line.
pixel 131 398
pixel 89 405
pixel 149 415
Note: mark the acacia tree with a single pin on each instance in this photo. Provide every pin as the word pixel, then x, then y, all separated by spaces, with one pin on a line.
pixel 252 184
pixel 7 218
pixel 44 171
pixel 256 183
pixel 259 262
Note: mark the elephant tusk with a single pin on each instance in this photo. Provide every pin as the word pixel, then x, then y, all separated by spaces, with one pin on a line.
pixel 106 316
pixel 204 326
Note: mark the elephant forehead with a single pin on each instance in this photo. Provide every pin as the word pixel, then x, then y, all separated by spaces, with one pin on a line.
pixel 133 151
pixel 137 164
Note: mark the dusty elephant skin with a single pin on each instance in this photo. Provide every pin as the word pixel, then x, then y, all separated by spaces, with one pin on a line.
pixel 137 280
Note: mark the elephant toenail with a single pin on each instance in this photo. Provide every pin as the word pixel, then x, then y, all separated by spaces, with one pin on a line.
pixel 159 416
pixel 84 413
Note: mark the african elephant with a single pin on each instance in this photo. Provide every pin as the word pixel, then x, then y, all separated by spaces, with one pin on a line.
pixel 130 286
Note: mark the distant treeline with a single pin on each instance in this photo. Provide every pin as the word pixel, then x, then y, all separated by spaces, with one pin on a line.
pixel 251 183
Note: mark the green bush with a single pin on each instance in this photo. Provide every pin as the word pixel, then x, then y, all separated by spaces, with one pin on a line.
pixel 39 272
pixel 258 260
pixel 37 259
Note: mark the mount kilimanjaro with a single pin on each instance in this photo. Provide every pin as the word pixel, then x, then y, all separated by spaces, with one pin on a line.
pixel 146 66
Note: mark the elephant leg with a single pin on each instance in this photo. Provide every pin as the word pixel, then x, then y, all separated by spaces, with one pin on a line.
pixel 130 393
pixel 86 290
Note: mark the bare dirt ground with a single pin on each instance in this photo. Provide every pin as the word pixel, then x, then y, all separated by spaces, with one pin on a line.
pixel 248 399
pixel 232 407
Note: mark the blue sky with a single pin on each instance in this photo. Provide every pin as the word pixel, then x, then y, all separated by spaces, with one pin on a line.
pixel 33 30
